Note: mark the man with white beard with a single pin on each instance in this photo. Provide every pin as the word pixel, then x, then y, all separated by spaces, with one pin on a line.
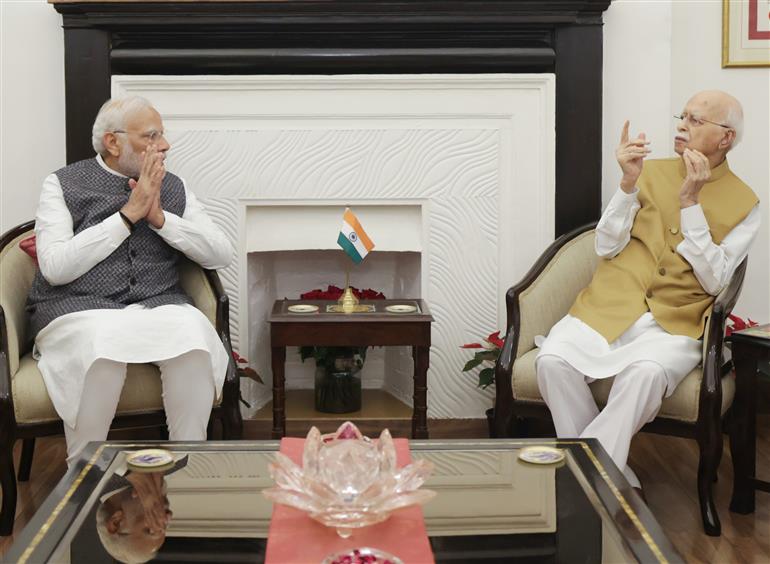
pixel 110 231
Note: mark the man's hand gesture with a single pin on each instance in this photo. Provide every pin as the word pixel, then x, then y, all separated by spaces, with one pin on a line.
pixel 145 193
pixel 698 172
pixel 630 155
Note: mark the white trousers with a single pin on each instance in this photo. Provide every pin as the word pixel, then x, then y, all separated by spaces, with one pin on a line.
pixel 634 400
pixel 188 396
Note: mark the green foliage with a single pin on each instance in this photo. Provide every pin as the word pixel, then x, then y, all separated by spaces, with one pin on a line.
pixel 486 377
pixel 488 355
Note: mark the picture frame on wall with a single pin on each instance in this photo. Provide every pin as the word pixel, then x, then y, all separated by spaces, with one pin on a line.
pixel 745 33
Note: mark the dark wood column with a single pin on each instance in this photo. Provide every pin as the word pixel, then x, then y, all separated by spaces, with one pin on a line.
pixel 104 37
pixel 87 85
pixel 578 126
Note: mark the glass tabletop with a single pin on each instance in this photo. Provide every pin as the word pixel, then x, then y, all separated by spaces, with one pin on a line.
pixel 490 506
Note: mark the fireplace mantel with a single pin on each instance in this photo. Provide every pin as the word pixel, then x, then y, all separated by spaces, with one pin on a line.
pixel 103 38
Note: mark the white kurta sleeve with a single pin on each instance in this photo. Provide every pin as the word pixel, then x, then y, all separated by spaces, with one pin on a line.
pixel 714 264
pixel 196 235
pixel 613 232
pixel 62 255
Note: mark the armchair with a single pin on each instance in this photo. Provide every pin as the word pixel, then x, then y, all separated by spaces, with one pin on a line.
pixel 696 409
pixel 26 410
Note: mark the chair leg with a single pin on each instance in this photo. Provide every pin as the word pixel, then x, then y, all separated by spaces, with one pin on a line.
pixel 719 458
pixel 710 445
pixel 8 484
pixel 25 464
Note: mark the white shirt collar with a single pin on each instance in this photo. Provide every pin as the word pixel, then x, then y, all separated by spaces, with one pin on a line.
pixel 102 164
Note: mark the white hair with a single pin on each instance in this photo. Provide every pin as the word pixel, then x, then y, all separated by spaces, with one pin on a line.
pixel 112 116
pixel 734 118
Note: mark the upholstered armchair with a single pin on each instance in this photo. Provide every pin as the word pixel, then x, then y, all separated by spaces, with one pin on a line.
pixel 26 410
pixel 697 407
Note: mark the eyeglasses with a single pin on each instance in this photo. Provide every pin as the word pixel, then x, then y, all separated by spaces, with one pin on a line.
pixel 697 122
pixel 152 136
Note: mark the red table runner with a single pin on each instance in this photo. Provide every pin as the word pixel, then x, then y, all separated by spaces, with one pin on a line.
pixel 295 538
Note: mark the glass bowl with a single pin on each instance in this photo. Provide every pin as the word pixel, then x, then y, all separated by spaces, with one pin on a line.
pixel 347 480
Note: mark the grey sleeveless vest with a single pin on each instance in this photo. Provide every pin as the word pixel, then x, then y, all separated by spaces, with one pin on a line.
pixel 143 269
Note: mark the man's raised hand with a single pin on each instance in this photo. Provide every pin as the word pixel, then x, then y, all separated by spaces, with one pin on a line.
pixel 146 190
pixel 630 155
pixel 698 173
pixel 155 216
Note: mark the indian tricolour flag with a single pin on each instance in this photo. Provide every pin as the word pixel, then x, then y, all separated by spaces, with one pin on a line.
pixel 353 239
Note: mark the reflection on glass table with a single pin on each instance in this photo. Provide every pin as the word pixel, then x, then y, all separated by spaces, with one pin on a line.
pixel 490 507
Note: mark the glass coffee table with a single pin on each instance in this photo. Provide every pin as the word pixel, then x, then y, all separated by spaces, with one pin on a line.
pixel 491 507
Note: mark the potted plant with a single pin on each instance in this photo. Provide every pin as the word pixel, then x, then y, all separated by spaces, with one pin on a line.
pixel 338 369
pixel 487 354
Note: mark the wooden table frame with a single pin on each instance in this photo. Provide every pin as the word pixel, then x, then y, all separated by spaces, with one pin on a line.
pixel 747 351
pixel 350 330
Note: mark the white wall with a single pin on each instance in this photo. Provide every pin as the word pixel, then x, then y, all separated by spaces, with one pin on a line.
pixel 32 105
pixel 656 55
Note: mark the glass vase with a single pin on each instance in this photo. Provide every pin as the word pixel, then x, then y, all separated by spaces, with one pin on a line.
pixel 338 385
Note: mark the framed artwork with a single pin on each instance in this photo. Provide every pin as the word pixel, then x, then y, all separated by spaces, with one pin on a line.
pixel 745 33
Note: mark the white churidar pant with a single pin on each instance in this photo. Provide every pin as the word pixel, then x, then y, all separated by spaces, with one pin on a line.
pixel 188 395
pixel 634 399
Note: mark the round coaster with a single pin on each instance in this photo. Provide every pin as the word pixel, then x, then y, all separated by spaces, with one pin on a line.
pixel 541 455
pixel 401 308
pixel 150 460
pixel 303 308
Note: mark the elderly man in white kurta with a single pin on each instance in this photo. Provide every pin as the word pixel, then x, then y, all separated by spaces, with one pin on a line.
pixel 671 239
pixel 110 231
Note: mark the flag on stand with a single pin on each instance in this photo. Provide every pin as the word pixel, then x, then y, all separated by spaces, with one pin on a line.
pixel 353 239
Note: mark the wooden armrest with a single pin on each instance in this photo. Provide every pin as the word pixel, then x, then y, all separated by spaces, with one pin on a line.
pixel 713 368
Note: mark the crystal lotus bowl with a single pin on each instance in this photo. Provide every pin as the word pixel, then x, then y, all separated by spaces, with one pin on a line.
pixel 347 480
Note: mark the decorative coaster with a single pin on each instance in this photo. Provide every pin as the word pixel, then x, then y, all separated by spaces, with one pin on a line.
pixel 401 308
pixel 541 455
pixel 149 460
pixel 303 308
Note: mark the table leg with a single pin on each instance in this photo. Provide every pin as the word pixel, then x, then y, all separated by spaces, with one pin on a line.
pixel 420 399
pixel 278 359
pixel 743 430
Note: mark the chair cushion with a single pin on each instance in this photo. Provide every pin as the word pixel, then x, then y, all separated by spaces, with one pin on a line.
pixel 194 282
pixel 549 297
pixel 16 275
pixel 141 392
pixel 682 405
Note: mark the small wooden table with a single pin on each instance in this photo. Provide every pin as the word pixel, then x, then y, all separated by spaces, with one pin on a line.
pixel 747 351
pixel 378 328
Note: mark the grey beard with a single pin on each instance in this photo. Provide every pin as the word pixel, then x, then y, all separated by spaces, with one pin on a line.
pixel 130 163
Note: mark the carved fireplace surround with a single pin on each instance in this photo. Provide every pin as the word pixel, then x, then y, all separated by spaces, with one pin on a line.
pixel 564 37
pixel 367 37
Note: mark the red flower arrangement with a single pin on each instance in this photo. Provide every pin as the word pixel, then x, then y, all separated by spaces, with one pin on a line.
pixel 490 351
pixel 325 356
pixel 334 293
pixel 738 324
pixel 244 370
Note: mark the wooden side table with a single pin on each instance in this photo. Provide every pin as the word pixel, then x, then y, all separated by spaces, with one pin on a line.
pixel 378 328
pixel 747 351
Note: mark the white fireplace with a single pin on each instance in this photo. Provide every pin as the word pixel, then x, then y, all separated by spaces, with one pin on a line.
pixel 452 176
